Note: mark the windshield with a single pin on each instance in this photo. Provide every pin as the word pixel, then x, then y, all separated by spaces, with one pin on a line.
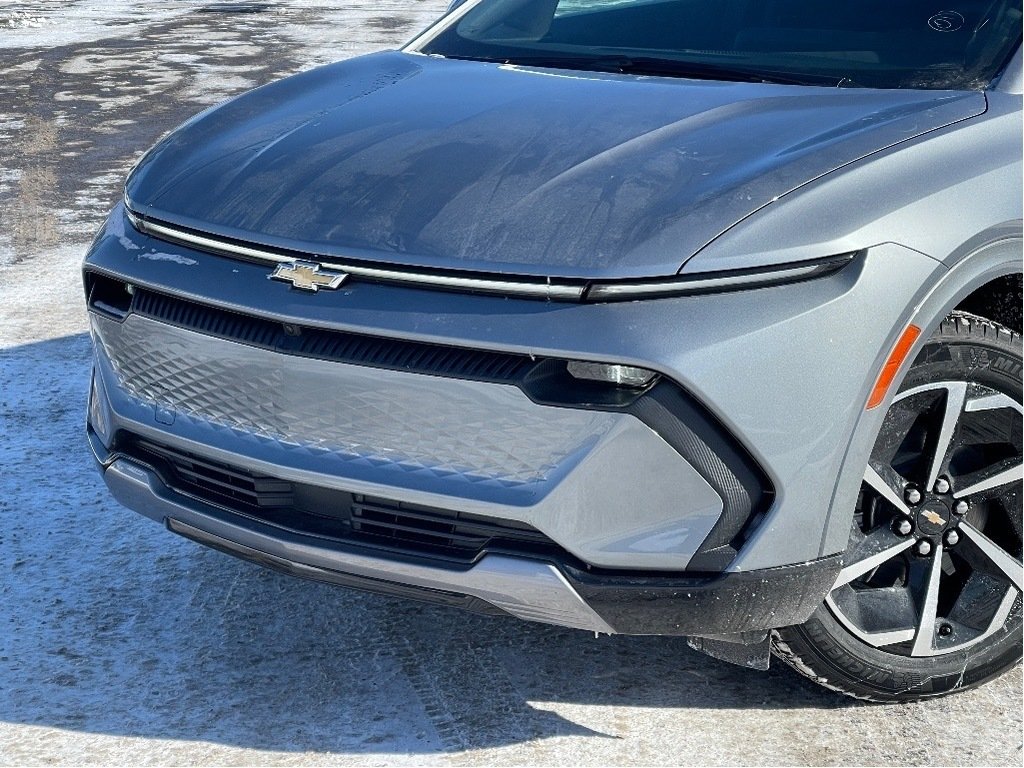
pixel 869 43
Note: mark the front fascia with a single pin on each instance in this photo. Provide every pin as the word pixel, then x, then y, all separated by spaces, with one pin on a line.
pixel 786 369
pixel 602 485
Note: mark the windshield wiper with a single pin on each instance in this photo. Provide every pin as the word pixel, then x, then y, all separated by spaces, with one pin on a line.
pixel 650 65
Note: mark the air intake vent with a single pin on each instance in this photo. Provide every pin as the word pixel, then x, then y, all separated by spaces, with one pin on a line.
pixel 219 483
pixel 339 346
pixel 403 526
pixel 338 515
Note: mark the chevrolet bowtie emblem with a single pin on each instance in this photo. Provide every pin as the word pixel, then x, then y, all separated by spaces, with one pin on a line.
pixel 308 276
pixel 933 517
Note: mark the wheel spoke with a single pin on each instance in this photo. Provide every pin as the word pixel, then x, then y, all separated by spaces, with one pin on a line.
pixel 956 395
pixel 887 489
pixel 881 639
pixel 993 402
pixel 925 637
pixel 1003 612
pixel 998 620
pixel 879 547
pixel 1012 474
pixel 877 639
pixel 1000 558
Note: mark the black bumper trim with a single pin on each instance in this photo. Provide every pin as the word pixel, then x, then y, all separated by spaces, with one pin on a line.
pixel 630 603
pixel 719 605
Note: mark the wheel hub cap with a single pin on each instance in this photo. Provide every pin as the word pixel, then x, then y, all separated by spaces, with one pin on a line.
pixel 934 518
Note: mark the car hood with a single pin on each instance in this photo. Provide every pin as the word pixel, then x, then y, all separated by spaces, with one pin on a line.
pixel 415 160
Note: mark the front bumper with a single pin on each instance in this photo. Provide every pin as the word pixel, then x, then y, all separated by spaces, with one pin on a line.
pixel 183 455
pixel 622 503
pixel 601 485
pixel 527 588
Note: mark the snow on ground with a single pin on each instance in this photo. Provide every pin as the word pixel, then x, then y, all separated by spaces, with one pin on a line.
pixel 49 23
pixel 120 643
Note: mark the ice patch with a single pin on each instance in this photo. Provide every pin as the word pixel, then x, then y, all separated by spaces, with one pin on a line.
pixel 27 20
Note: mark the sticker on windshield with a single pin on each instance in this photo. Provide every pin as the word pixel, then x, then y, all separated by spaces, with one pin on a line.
pixel 946 21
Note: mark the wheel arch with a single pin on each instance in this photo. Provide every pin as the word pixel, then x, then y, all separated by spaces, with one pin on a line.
pixel 1000 299
pixel 982 270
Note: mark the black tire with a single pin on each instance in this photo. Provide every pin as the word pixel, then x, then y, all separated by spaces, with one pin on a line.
pixel 827 648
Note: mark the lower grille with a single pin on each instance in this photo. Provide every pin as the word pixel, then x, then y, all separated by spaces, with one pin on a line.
pixel 220 483
pixel 339 515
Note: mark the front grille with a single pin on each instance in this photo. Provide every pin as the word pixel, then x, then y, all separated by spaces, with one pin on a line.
pixel 339 515
pixel 337 346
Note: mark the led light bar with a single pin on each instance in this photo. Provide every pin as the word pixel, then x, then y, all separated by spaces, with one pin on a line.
pixel 620 375
pixel 716 282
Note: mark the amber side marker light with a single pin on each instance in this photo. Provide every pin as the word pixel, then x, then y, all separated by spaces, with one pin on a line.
pixel 892 365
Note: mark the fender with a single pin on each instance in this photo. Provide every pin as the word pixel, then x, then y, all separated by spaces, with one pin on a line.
pixel 991 254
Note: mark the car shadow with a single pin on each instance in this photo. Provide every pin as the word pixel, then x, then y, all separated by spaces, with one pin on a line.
pixel 110 625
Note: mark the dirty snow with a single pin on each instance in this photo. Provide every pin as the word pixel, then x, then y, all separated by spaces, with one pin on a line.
pixel 120 643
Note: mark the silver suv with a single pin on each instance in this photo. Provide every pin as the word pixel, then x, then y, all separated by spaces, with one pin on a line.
pixel 678 317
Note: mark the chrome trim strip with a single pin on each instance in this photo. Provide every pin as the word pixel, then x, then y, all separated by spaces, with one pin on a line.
pixel 538 288
pixel 545 290
pixel 529 589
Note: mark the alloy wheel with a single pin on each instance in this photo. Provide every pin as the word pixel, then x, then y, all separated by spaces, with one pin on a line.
pixel 934 563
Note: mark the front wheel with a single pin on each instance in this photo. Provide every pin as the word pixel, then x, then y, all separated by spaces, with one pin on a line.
pixel 929 599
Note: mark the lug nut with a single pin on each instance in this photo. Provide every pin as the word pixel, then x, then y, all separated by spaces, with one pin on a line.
pixel 945 630
pixel 923 548
pixel 942 485
pixel 952 538
pixel 961 508
pixel 903 527
pixel 913 496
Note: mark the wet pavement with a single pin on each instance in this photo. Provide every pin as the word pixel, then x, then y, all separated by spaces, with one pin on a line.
pixel 120 643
